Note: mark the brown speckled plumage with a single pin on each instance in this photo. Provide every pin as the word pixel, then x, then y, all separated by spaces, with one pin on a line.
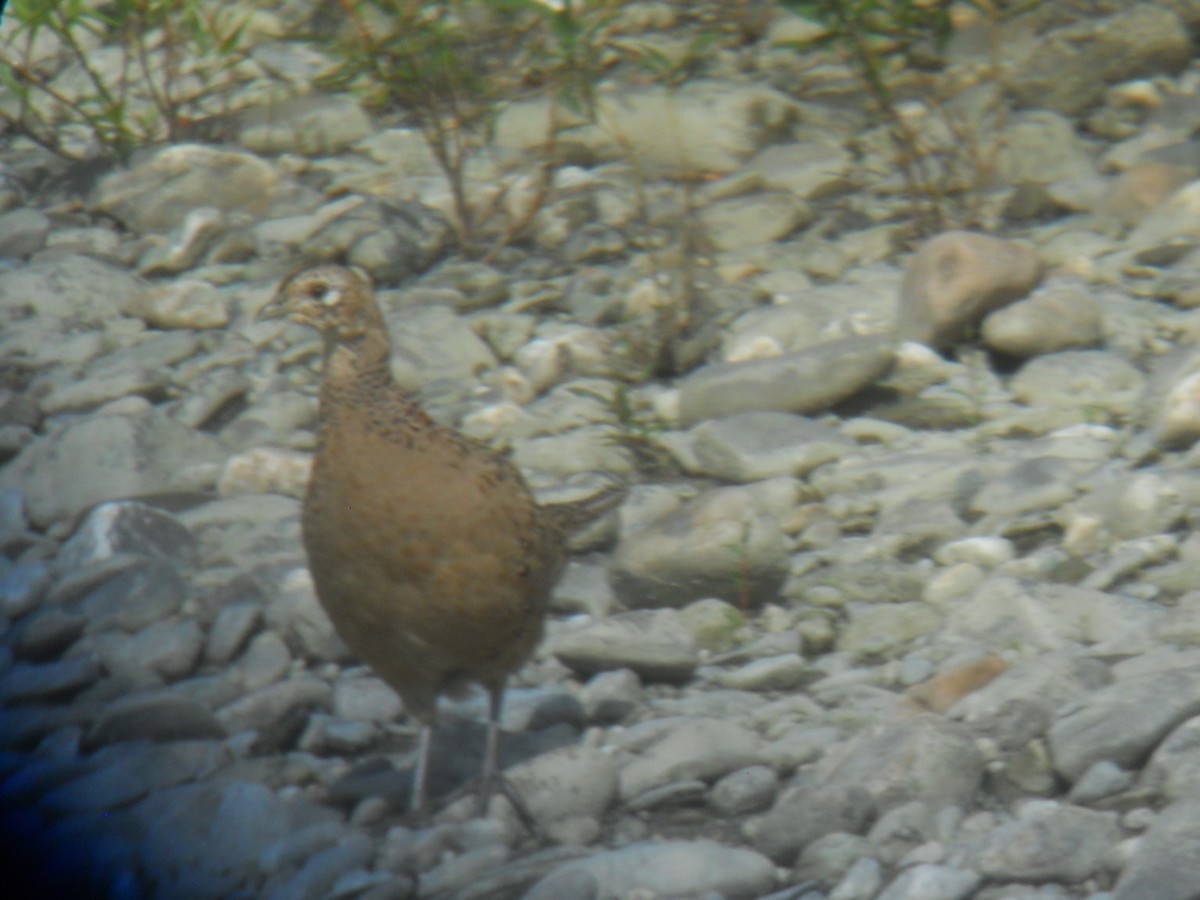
pixel 427 550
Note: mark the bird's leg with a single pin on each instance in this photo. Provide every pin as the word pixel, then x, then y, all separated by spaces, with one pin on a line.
pixel 491 765
pixel 418 801
pixel 492 779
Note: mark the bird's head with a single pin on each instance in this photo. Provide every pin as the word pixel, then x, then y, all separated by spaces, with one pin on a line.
pixel 337 301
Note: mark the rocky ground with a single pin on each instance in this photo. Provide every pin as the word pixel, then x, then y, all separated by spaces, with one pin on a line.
pixel 902 604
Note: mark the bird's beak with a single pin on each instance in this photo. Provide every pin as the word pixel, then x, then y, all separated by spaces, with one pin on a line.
pixel 275 308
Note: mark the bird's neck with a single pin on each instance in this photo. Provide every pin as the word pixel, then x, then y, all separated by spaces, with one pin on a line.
pixel 358 379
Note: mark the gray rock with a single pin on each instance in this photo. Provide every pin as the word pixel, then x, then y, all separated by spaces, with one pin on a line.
pixel 1074 378
pixel 460 871
pixel 1041 147
pixel 167 648
pixel 806 381
pixel 747 790
pixel 1035 484
pixel 102 384
pixel 653 644
pixel 772 673
pixel 754 219
pixel 181 303
pixel 1056 317
pixel 297 615
pixel 1173 770
pixel 1049 841
pixel 277 711
pixel 566 783
pixel 1006 611
pixel 594 243
pixel 74 290
pixel 126 773
pixel 208 395
pixel 133 598
pixel 240 531
pixel 806 813
pixel 703 126
pixel 673 869
pixel 901 830
pixel 1123 722
pixel 752 446
pixel 958 277
pixel 828 860
pixel 803 316
pixel 206 839
pixel 584 588
pixel 1069 69
pixel 924 757
pixel 230 631
pixel 320 125
pixel 158 717
pixel 109 457
pixel 23 232
pixel 181 250
pixel 49 681
pixel 1102 779
pixel 156 194
pixel 722 544
pixel 611 696
pixel 366 698
pixel 1166 863
pixel 883 631
pixel 47 633
pixel 687 749
pixel 860 882
pixel 1137 504
pixel 322 869
pixel 22 586
pixel 807 169
pixel 932 882
pixel 128 526
pixel 439 343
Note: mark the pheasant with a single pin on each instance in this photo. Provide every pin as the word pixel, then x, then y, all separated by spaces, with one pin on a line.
pixel 427 549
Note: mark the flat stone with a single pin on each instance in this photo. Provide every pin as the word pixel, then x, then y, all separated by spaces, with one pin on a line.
pixel 49 681
pixel 572 781
pixel 723 544
pixel 805 813
pixel 752 446
pixel 694 748
pixel 1166 864
pixel 1124 721
pixel 134 598
pixel 159 192
pixel 230 631
pixel 154 717
pixel 1049 841
pixel 127 527
pixel 932 882
pixel 654 645
pixel 806 381
pixel 674 869
pixel 275 711
pixel 91 460
pixel 128 772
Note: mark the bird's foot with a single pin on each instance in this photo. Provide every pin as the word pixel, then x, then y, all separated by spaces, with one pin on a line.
pixel 486 787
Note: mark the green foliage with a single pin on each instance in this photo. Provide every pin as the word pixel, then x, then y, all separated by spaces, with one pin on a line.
pixel 172 55
pixel 889 42
pixel 451 66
